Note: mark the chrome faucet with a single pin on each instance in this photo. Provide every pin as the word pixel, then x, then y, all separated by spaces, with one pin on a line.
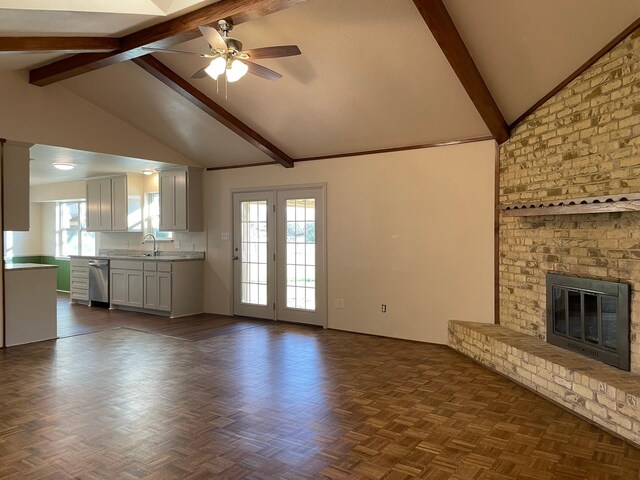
pixel 155 250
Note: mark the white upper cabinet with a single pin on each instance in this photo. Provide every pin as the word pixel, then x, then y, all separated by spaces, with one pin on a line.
pixel 114 203
pixel 119 203
pixel 126 201
pixel 180 199
pixel 99 204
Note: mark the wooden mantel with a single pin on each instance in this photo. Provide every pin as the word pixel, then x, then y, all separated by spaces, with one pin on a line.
pixel 572 206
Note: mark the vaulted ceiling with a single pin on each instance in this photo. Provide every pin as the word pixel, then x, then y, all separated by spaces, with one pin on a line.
pixel 372 74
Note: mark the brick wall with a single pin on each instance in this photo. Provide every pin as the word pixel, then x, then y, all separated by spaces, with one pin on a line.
pixel 585 141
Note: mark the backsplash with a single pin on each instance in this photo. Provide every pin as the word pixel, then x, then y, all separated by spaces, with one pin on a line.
pixel 182 241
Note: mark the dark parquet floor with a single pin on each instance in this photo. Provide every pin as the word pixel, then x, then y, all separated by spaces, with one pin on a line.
pixel 132 397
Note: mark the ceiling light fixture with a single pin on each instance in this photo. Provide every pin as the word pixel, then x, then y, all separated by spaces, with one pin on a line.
pixel 236 71
pixel 216 67
pixel 226 64
pixel 147 171
pixel 227 55
pixel 64 166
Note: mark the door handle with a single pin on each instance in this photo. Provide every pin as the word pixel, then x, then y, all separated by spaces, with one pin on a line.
pixel 235 257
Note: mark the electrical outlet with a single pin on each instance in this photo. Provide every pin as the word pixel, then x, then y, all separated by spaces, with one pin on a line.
pixel 384 308
pixel 176 244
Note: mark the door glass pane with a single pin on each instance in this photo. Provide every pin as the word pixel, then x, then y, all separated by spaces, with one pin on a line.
pixel 301 239
pixel 253 257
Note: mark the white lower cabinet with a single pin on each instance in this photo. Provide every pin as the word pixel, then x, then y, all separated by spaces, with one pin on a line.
pixel 160 287
pixel 80 280
pixel 126 287
pixel 157 291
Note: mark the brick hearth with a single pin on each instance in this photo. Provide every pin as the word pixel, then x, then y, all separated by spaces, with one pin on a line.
pixel 602 394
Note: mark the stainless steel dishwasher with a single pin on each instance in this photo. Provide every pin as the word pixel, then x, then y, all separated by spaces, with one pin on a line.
pixel 99 282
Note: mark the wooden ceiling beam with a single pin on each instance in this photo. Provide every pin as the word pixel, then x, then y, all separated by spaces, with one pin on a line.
pixel 446 34
pixel 171 32
pixel 179 85
pixel 58 44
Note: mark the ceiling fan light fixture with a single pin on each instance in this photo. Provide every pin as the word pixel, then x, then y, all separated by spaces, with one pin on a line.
pixel 236 71
pixel 216 67
pixel 64 166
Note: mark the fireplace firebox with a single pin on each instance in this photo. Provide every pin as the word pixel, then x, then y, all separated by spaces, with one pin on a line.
pixel 590 317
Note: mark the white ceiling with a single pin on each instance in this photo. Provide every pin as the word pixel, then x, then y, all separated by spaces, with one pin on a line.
pixel 523 49
pixel 133 7
pixel 88 164
pixel 88 17
pixel 65 18
pixel 130 93
pixel 371 76
pixel 349 91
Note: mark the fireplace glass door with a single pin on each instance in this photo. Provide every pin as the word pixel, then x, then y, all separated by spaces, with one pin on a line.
pixel 590 317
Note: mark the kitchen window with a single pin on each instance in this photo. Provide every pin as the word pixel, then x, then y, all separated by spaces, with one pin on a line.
pixel 152 217
pixel 72 237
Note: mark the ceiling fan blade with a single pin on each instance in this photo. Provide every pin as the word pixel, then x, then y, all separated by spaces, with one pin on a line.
pixel 183 52
pixel 261 71
pixel 200 73
pixel 273 52
pixel 213 37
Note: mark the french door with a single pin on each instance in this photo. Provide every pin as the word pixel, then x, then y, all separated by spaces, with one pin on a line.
pixel 279 255
pixel 253 254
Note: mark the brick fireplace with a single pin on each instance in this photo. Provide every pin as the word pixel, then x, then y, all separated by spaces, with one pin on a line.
pixel 583 142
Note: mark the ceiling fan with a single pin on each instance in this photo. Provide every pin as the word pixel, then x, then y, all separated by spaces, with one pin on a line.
pixel 227 56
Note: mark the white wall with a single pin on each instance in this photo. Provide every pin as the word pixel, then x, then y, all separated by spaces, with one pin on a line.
pixel 54 192
pixel 53 115
pixel 27 243
pixel 45 196
pixel 413 230
pixel 48 229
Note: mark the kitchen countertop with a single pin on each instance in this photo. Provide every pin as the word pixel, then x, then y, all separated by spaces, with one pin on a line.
pixel 157 258
pixel 27 266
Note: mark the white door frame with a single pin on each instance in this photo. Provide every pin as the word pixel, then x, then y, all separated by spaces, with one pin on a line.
pixel 323 285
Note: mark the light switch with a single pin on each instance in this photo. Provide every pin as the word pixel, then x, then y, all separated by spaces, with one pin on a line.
pixel 225 236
